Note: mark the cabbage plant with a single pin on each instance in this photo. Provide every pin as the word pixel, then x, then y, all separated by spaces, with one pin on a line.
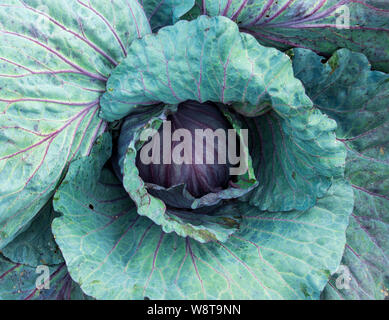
pixel 302 84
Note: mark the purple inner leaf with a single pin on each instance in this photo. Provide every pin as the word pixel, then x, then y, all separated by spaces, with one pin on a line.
pixel 200 179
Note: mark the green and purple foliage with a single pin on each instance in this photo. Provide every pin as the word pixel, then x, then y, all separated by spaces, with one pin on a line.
pixel 81 80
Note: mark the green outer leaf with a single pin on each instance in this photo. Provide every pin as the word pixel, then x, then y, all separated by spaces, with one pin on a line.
pixel 310 24
pixel 293 159
pixel 207 59
pixel 165 12
pixel 227 66
pixel 358 99
pixel 36 245
pixel 18 282
pixel 54 59
pixel 116 254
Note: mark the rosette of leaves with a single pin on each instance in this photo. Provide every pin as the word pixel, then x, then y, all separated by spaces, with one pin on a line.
pixel 171 243
pixel 208 72
pixel 74 196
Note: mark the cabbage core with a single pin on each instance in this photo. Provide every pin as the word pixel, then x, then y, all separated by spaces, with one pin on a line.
pixel 198 171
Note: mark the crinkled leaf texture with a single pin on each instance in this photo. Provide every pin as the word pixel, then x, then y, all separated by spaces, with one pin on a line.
pixel 114 253
pixel 19 282
pixel 165 12
pixel 358 99
pixel 320 25
pixel 36 246
pixel 210 60
pixel 55 57
pixel 294 159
